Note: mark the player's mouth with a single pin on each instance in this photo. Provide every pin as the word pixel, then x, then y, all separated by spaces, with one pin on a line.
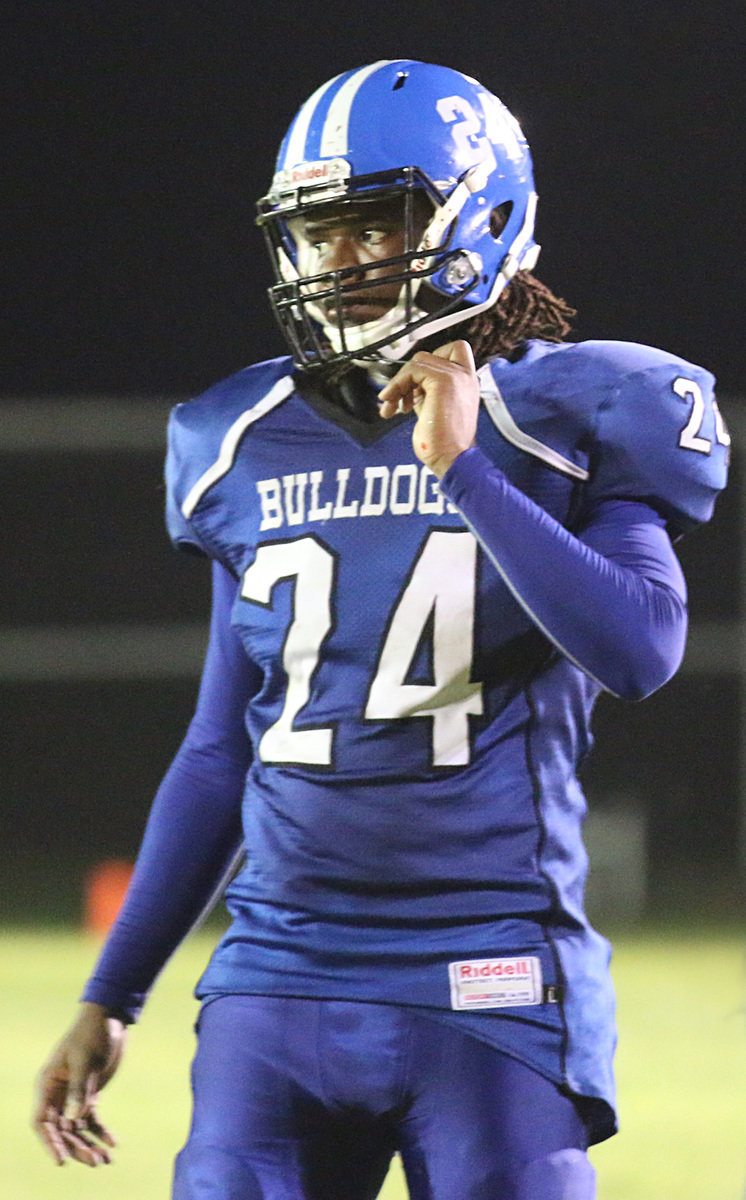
pixel 358 310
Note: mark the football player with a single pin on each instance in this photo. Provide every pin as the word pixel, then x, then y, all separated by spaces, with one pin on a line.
pixel 438 529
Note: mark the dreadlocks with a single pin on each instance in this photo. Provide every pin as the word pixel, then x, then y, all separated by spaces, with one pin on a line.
pixel 525 309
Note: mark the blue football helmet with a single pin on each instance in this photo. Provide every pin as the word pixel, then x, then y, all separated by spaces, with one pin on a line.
pixel 448 149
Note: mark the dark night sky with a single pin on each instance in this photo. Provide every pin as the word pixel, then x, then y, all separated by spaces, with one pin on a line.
pixel 141 135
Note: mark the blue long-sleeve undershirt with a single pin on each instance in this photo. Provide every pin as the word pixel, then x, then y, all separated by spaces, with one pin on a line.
pixel 193 834
pixel 612 599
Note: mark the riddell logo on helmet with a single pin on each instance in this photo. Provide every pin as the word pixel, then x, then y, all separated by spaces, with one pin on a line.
pixel 311 171
pixel 321 171
pixel 496 968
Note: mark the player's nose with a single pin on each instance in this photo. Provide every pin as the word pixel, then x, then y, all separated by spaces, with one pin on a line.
pixel 341 252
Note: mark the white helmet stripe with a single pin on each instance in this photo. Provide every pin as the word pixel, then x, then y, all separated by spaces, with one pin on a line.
pixel 296 148
pixel 334 135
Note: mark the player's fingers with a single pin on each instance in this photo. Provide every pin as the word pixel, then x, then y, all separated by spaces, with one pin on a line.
pixel 406 385
pixel 80 1147
pixel 461 353
pixel 53 1141
pixel 47 1114
pixel 82 1140
pixel 458 353
pixel 441 361
pixel 100 1131
pixel 64 1140
pixel 398 396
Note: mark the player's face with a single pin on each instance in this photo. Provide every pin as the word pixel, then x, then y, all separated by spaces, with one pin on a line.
pixel 356 235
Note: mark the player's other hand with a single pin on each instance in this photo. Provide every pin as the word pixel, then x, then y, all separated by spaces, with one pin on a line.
pixel 68 1086
pixel 443 390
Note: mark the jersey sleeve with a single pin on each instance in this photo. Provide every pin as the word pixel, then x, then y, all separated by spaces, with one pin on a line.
pixel 203 437
pixel 193 834
pixel 660 438
pixel 612 599
pixel 188 456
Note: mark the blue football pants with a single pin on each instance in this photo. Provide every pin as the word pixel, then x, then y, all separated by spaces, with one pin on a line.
pixel 301 1099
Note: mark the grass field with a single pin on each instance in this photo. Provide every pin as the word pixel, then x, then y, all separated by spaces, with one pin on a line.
pixel 681 1071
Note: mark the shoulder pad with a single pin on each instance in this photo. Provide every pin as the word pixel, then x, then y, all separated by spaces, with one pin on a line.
pixel 659 436
pixel 203 435
pixel 647 421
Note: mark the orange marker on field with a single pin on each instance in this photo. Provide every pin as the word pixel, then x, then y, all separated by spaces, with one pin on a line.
pixel 105 887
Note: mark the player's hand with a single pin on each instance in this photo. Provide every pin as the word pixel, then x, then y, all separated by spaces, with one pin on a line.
pixel 68 1086
pixel 443 390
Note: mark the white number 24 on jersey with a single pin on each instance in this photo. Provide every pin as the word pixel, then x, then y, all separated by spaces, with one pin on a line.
pixel 440 589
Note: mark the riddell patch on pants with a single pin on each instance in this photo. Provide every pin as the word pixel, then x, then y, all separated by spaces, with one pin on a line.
pixel 495 982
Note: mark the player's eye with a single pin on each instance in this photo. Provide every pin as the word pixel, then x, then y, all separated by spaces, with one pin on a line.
pixel 314 237
pixel 310 235
pixel 374 236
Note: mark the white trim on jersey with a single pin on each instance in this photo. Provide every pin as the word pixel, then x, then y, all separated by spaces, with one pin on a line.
pixel 497 410
pixel 229 444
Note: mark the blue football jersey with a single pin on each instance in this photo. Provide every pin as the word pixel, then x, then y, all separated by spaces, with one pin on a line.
pixel 412 814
